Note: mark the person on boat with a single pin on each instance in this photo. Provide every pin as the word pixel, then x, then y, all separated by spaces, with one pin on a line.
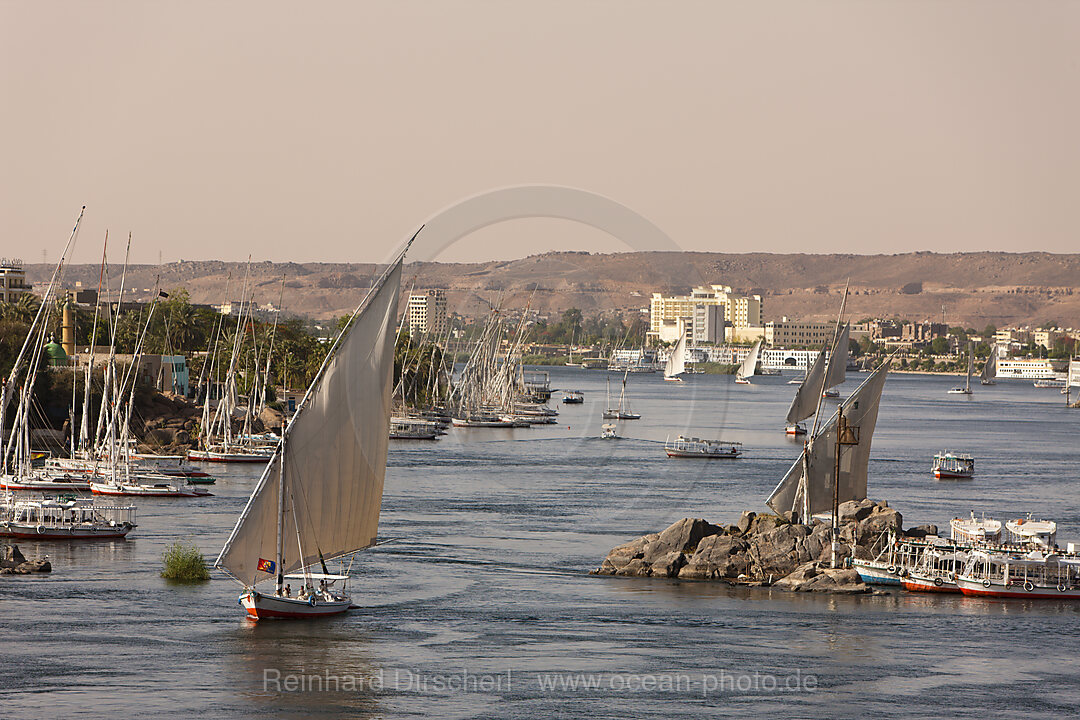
pixel 288 590
pixel 302 594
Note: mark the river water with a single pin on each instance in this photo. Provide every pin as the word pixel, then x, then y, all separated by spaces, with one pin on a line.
pixel 482 605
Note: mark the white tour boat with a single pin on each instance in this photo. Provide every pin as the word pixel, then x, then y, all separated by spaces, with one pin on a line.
pixel 64 518
pixel 692 447
pixel 1035 575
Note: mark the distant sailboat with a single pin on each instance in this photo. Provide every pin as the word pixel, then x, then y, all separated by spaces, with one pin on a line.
pixel 748 366
pixel 966 390
pixel 622 411
pixel 989 371
pixel 319 497
pixel 676 362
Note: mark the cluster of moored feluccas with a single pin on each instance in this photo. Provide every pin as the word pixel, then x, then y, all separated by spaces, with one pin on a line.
pixel 981 557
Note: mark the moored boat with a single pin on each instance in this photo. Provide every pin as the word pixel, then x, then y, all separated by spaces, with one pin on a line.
pixel 692 447
pixel 1032 575
pixel 64 518
pixel 573 397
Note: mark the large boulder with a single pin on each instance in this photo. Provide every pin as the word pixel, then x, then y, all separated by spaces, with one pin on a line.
pixel 717 556
pixel 856 510
pixel 683 536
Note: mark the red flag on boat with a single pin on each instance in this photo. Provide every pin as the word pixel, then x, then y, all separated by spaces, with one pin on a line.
pixel 266 566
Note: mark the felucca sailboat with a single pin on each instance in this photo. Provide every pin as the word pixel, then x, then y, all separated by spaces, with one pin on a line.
pixel 319 497
pixel 748 366
pixel 676 362
pixel 966 390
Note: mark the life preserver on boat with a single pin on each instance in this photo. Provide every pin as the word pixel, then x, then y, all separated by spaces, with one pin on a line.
pixel 40 529
pixel 986 583
pixel 1061 588
pixel 891 569
pixel 938 581
pixel 311 601
pixel 1028 586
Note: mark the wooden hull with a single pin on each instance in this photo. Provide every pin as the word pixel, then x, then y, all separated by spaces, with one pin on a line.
pixel 703 455
pixel 147 490
pixel 211 456
pixel 976 588
pixel 20 531
pixel 271 607
pixel 925 584
pixel 947 474
pixel 67 485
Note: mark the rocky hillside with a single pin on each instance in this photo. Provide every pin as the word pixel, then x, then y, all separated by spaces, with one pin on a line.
pixel 975 288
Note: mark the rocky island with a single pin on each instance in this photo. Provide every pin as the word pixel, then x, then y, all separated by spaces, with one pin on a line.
pixel 12 562
pixel 761 549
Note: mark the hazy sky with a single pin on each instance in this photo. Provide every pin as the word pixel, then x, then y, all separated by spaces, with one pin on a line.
pixel 329 131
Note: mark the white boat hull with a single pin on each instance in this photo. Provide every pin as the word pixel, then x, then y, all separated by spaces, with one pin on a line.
pixel 224 457
pixel 984 588
pixel 147 490
pixel 273 607
pixel 24 531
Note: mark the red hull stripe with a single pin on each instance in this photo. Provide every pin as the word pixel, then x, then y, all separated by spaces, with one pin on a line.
pixel 1040 594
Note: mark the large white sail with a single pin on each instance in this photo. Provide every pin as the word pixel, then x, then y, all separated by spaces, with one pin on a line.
pixel 334 454
pixel 838 358
pixel 818 459
pixel 749 363
pixel 805 402
pixel 676 363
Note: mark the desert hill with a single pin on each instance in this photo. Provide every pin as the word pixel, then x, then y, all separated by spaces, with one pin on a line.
pixel 975 288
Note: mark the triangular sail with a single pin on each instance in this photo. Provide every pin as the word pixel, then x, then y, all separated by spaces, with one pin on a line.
pixel 676 363
pixel 989 371
pixel 805 402
pixel 749 363
pixel 838 357
pixel 334 453
pixel 818 459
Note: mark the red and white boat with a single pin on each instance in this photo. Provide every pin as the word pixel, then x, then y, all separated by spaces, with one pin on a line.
pixel 45 482
pixel 307 603
pixel 174 465
pixel 133 487
pixel 936 568
pixel 953 465
pixel 232 455
pixel 1034 575
pixel 795 429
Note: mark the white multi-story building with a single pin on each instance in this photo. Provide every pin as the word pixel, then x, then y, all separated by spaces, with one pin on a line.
pixel 427 312
pixel 701 324
pixel 12 280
